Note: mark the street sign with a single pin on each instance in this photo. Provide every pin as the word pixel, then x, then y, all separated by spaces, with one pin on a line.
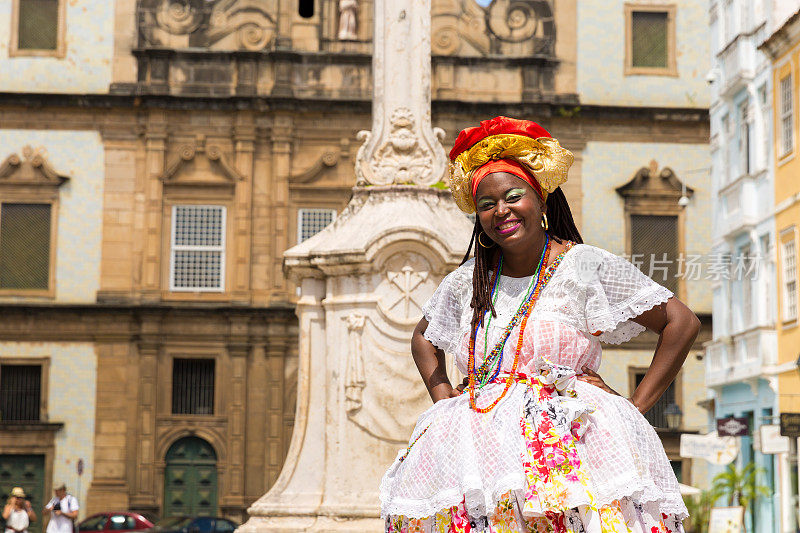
pixel 790 425
pixel 732 427
pixel 771 439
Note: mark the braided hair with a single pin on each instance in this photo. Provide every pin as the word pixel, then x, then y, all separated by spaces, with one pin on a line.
pixel 561 227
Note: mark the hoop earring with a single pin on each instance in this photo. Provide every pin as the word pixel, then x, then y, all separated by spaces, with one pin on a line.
pixel 481 243
pixel 545 225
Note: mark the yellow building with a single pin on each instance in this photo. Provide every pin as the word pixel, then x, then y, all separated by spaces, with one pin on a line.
pixel 783 48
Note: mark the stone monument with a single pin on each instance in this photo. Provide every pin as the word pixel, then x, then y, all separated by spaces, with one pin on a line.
pixel 363 280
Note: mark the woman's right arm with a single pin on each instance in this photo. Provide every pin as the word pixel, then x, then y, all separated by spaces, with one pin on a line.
pixel 7 510
pixel 431 365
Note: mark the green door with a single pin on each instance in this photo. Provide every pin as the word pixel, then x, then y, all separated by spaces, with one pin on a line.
pixel 190 479
pixel 26 471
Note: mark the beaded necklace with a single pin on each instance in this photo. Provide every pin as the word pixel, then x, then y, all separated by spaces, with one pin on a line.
pixel 495 359
pixel 521 316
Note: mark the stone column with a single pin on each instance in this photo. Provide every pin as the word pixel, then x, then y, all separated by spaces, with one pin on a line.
pixel 363 281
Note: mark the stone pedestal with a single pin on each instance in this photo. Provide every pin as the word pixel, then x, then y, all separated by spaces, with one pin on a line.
pixel 363 281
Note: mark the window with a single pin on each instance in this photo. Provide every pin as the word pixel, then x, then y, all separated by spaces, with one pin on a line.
pixel 654 239
pixel 656 415
pixel 193 386
pixel 789 281
pixel 20 392
pixel 764 146
pixel 97 523
pixel 744 275
pixel 765 276
pixel 312 221
pixel 197 261
pixel 677 469
pixel 744 139
pixel 121 522
pixel 786 125
pixel 650 40
pixel 725 124
pixel 38 27
pixel 25 232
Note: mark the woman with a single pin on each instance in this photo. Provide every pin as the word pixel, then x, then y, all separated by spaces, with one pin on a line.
pixel 536 441
pixel 18 512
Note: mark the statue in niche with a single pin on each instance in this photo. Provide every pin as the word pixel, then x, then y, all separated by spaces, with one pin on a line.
pixel 347 20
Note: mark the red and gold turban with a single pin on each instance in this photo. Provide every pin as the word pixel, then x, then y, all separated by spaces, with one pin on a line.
pixel 503 144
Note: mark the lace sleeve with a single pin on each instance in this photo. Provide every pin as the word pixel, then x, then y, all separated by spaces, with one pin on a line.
pixel 443 311
pixel 616 292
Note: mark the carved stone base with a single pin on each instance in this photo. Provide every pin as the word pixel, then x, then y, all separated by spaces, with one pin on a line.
pixel 322 524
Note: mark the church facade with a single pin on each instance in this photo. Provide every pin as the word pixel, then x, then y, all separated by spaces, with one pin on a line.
pixel 168 152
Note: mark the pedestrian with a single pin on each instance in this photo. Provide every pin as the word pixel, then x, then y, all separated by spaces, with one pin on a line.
pixel 535 440
pixel 18 512
pixel 63 511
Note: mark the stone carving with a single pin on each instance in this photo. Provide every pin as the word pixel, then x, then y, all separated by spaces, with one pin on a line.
pixel 406 287
pixel 329 158
pixel 401 158
pixel 348 20
pixel 212 24
pixel 204 173
pixel 31 169
pixel 355 378
pixel 508 27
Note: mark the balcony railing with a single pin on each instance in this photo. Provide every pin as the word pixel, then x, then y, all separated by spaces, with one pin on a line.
pixel 738 63
pixel 739 205
pixel 743 356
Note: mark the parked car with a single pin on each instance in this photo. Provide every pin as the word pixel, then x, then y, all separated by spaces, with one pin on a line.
pixel 194 524
pixel 115 521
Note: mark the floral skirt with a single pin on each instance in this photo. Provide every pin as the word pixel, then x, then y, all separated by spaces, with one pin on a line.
pixel 556 492
pixel 620 516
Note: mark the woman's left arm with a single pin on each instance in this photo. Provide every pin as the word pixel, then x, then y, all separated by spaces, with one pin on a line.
pixel 677 327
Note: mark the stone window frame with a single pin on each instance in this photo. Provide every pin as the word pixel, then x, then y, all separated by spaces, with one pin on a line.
pixel 43 189
pixel 646 202
pixel 221 377
pixel 672 62
pixel 44 383
pixel 60 50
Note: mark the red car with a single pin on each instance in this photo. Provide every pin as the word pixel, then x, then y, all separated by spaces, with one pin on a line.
pixel 116 521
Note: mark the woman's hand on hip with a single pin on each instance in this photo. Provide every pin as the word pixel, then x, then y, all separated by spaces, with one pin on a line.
pixel 593 378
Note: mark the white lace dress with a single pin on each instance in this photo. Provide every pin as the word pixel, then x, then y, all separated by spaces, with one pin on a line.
pixel 556 454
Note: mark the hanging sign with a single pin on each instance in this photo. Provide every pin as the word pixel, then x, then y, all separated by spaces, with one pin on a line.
pixel 714 449
pixel 771 439
pixel 790 425
pixel 733 427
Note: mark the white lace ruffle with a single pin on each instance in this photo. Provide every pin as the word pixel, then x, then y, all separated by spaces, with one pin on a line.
pixel 616 323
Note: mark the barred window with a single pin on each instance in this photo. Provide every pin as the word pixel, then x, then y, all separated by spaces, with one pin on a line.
pixel 24 246
pixel 789 280
pixel 37 25
pixel 654 241
pixel 787 126
pixel 312 221
pixel 197 260
pixel 649 39
pixel 193 387
pixel 657 414
pixel 20 392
